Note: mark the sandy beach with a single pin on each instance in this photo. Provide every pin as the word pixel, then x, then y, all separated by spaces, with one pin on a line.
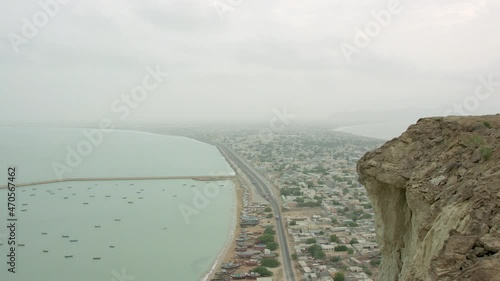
pixel 228 252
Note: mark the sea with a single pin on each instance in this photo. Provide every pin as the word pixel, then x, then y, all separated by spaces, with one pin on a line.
pixel 100 206
pixel 383 131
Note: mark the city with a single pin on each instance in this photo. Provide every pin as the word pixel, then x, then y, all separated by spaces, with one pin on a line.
pixel 326 212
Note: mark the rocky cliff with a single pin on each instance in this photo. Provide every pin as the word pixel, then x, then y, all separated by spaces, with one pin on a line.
pixel 436 195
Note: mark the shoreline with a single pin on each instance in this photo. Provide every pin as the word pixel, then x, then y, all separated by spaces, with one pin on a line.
pixel 229 249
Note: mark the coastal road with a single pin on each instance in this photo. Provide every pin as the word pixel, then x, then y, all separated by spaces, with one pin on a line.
pixel 264 189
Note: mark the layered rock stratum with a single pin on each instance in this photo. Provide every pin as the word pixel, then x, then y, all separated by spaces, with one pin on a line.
pixel 435 191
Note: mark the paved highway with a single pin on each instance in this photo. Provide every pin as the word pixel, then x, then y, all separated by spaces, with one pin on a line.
pixel 263 189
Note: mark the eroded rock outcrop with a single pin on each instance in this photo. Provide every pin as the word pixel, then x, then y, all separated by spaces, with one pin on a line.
pixel 436 195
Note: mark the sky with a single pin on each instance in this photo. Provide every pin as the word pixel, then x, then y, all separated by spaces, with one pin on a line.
pixel 182 61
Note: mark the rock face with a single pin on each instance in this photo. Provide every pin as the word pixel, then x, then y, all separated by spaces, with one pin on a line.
pixel 435 191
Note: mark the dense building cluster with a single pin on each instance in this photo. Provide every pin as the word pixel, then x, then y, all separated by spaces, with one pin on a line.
pixel 328 215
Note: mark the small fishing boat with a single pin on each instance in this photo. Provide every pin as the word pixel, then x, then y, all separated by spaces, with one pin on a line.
pixel 111 246
pixel 65 236
pixel 130 202
pixel 73 240
pixel 117 219
pixel 45 251
pixel 68 256
pixel 108 196
pixel 92 196
pixel 175 195
pixel 44 233
pixel 124 197
pixel 96 258
pixel 85 203
pixel 23 210
pixel 22 245
pixel 97 226
pixel 65 197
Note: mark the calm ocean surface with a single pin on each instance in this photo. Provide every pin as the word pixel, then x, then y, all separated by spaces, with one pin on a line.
pixel 384 131
pixel 141 230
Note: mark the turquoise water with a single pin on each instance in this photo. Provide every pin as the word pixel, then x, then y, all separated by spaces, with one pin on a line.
pixel 170 230
pixel 118 154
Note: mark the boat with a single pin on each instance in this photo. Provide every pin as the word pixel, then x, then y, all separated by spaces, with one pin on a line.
pixel 112 246
pixel 108 196
pixel 96 258
pixel 68 256
pixel 85 203
pixel 175 195
pixel 23 210
pixel 73 240
pixel 22 245
pixel 45 251
pixel 117 219
pixel 44 233
pixel 65 236
pixel 239 276
pixel 65 197
pixel 230 265
pixel 92 196
pixel 130 202
pixel 124 197
pixel 97 226
pixel 253 275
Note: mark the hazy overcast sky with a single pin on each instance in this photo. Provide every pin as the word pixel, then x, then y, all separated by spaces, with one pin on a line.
pixel 244 60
